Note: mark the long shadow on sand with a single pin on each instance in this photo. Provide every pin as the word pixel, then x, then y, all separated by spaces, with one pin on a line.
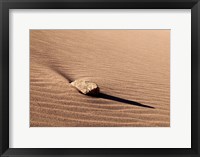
pixel 114 98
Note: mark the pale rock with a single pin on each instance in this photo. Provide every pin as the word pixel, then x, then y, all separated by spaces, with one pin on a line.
pixel 86 87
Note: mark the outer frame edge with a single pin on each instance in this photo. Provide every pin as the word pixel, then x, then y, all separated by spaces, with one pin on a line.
pixel 5 151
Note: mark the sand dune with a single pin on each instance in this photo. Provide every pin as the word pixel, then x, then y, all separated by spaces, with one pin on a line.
pixel 131 67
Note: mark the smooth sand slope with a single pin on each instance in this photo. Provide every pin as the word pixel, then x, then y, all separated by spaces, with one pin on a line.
pixel 131 67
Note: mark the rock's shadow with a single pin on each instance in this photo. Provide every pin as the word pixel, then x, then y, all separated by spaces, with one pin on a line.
pixel 118 99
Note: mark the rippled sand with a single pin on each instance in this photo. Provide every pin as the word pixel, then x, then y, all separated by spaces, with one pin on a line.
pixel 131 67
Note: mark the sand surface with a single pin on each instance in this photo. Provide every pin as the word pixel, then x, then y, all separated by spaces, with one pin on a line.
pixel 131 67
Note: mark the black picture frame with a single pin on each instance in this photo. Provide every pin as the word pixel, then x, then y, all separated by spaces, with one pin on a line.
pixel 5 5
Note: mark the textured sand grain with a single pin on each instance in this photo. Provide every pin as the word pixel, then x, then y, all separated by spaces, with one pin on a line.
pixel 131 65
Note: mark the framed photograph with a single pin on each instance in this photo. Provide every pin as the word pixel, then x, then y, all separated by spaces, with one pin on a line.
pixel 100 78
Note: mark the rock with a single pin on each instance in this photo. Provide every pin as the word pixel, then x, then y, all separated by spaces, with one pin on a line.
pixel 86 87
